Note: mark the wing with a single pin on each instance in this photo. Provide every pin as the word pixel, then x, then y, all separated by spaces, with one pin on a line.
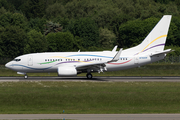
pixel 98 66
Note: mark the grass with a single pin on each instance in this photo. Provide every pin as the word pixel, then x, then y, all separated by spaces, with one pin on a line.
pixel 155 69
pixel 89 97
pixel 93 97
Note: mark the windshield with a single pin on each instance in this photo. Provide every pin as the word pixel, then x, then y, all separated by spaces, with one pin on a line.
pixel 17 60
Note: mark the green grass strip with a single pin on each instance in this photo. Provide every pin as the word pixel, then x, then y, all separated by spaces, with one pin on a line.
pixel 89 97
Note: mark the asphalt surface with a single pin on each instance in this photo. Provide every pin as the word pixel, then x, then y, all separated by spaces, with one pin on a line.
pixel 93 116
pixel 105 79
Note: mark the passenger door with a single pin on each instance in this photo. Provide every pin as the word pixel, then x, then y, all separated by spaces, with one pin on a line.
pixel 30 60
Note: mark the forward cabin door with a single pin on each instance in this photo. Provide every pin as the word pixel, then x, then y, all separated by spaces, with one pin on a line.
pixel 30 60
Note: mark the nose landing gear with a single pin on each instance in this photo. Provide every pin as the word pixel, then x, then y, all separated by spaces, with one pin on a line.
pixel 23 73
pixel 25 76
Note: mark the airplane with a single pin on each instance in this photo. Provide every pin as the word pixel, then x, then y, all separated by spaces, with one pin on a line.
pixel 72 63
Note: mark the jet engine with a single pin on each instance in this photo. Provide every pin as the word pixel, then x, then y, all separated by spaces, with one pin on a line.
pixel 67 71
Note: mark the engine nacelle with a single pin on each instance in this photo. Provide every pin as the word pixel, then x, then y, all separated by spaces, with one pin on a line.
pixel 67 71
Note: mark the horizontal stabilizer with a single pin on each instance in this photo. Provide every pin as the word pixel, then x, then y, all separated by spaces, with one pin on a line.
pixel 163 52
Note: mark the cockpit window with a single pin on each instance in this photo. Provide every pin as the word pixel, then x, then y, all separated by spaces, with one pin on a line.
pixel 17 60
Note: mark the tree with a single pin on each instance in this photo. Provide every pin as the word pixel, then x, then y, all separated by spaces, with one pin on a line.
pixel 60 41
pixel 6 5
pixel 16 3
pixel 55 10
pixel 52 27
pixel 10 19
pixel 173 34
pixel 34 8
pixel 2 10
pixel 13 40
pixel 87 29
pixel 133 32
pixel 36 42
pixel 38 24
pixel 106 38
pixel 163 1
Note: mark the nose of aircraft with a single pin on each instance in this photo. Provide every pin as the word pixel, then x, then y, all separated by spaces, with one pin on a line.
pixel 7 65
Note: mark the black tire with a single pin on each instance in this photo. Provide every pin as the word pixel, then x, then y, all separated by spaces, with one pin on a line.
pixel 25 77
pixel 89 76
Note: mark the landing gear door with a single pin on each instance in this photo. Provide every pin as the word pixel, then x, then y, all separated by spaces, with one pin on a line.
pixel 30 60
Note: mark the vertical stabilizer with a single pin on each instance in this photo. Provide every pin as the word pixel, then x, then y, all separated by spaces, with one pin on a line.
pixel 156 39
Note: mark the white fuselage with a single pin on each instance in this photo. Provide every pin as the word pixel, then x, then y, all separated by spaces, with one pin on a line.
pixel 49 62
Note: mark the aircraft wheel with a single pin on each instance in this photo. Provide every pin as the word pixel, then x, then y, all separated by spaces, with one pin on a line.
pixel 89 76
pixel 25 77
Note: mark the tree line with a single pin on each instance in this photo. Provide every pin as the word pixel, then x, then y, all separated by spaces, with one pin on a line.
pixel 33 26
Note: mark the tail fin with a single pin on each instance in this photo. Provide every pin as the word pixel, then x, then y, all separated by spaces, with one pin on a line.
pixel 156 39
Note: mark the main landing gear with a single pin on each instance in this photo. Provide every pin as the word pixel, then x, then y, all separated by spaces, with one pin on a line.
pixel 89 76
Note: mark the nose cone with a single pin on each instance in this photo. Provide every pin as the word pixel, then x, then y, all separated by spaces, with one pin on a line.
pixel 7 65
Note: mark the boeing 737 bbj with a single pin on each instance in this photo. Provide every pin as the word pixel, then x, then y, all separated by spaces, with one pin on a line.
pixel 72 63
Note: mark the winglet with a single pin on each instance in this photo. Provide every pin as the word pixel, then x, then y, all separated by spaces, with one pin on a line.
pixel 114 49
pixel 116 57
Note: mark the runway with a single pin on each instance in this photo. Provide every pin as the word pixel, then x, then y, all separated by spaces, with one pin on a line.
pixel 93 116
pixel 95 79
